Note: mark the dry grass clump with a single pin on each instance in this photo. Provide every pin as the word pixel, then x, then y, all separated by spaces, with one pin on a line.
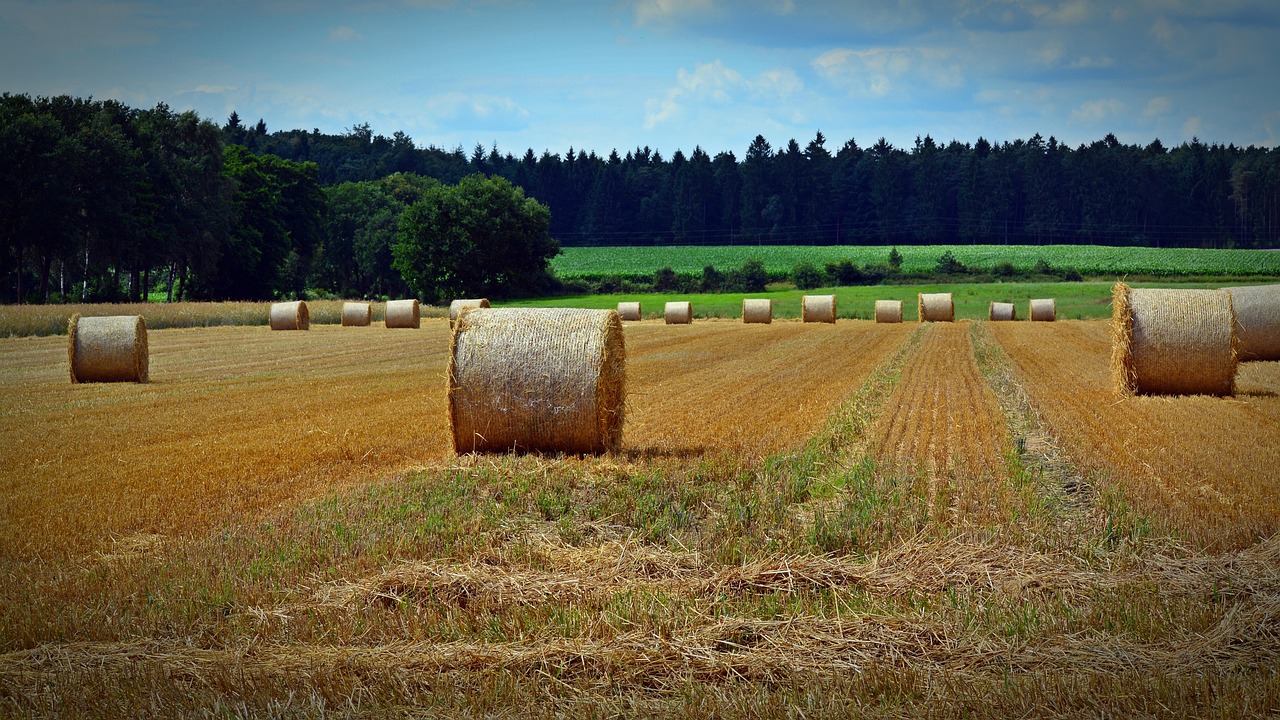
pixel 757 310
pixel 678 313
pixel 357 314
pixel 107 349
pixel 935 307
pixel 1173 342
pixel 888 311
pixel 629 311
pixel 1257 309
pixel 537 379
pixel 1002 311
pixel 1043 310
pixel 290 316
pixel 403 314
pixel 457 306
pixel 818 308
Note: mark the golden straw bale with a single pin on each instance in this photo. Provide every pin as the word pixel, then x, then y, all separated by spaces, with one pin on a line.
pixel 403 314
pixel 1002 311
pixel 1044 310
pixel 1172 342
pixel 888 311
pixel 935 307
pixel 1257 321
pixel 678 313
pixel 757 310
pixel 107 349
pixel 818 308
pixel 356 314
pixel 457 306
pixel 539 379
pixel 290 316
pixel 629 311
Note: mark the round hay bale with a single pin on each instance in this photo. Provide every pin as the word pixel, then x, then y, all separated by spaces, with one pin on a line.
pixel 403 314
pixel 935 307
pixel 290 316
pixel 457 306
pixel 1002 311
pixel 757 310
pixel 356 314
pixel 107 349
pixel 1043 310
pixel 678 313
pixel 630 311
pixel 1257 321
pixel 537 379
pixel 1172 342
pixel 888 311
pixel 818 308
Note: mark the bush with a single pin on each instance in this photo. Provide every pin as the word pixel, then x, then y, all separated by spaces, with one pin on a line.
pixel 895 259
pixel 844 272
pixel 1003 269
pixel 664 280
pixel 752 277
pixel 949 265
pixel 806 276
pixel 712 280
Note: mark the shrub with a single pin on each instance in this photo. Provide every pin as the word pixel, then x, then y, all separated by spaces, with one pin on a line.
pixel 949 265
pixel 807 276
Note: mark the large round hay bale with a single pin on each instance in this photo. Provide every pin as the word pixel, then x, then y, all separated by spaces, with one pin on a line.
pixel 756 310
pixel 630 311
pixel 403 314
pixel 1257 321
pixel 888 311
pixel 540 379
pixel 818 308
pixel 935 307
pixel 457 306
pixel 1043 310
pixel 107 349
pixel 1172 342
pixel 1002 311
pixel 356 314
pixel 678 313
pixel 290 316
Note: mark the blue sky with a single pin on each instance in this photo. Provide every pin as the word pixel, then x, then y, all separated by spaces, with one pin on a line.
pixel 672 73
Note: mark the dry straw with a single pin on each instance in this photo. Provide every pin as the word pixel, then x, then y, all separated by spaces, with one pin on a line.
pixel 107 349
pixel 1172 342
pixel 1257 321
pixel 457 306
pixel 1044 310
pixel 630 311
pixel 356 314
pixel 757 310
pixel 1002 311
pixel 537 379
pixel 290 316
pixel 818 308
pixel 678 313
pixel 888 311
pixel 403 314
pixel 935 307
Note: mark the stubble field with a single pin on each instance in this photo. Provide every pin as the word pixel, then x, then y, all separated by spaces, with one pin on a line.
pixel 858 519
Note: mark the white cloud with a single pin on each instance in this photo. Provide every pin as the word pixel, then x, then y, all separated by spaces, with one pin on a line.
pixel 343 33
pixel 1071 13
pixel 708 82
pixel 656 12
pixel 1096 110
pixel 880 71
pixel 1192 127
pixel 476 110
pixel 1157 106
pixel 1091 62
pixel 215 89
pixel 1164 31
pixel 776 84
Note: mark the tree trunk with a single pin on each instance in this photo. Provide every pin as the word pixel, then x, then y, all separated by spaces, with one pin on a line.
pixel 19 246
pixel 45 262
pixel 169 293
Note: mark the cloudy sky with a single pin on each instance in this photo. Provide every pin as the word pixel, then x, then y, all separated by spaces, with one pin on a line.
pixel 548 74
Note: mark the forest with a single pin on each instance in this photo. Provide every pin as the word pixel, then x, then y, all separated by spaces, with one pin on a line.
pixel 100 201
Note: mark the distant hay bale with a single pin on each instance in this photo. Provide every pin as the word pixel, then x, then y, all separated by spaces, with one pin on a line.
pixel 1257 321
pixel 1002 311
pixel 1172 342
pixel 818 308
pixel 678 313
pixel 1044 310
pixel 403 314
pixel 290 316
pixel 107 349
pixel 888 311
pixel 457 306
pixel 356 314
pixel 537 379
pixel 935 307
pixel 629 311
pixel 757 310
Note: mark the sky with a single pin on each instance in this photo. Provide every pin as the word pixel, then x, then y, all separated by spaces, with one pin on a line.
pixel 671 74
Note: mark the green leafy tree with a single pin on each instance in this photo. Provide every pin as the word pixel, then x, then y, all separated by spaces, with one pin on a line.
pixel 806 276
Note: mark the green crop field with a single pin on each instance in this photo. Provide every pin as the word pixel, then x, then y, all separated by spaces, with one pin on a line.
pixel 1088 259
